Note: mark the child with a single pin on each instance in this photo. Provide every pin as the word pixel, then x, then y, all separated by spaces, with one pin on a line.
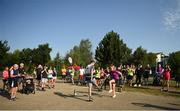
pixel 5 77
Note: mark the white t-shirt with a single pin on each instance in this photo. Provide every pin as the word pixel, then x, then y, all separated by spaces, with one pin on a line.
pixel 81 71
pixel 50 71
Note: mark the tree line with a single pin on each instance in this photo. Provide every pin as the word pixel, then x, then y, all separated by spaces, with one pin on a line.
pixel 110 50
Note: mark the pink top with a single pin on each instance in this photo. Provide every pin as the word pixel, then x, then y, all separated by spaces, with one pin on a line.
pixel 167 75
pixel 5 74
pixel 115 75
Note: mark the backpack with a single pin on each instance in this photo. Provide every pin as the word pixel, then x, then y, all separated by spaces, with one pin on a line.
pixel 87 71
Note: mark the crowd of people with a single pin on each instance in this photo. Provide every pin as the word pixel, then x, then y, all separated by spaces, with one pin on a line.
pixel 134 76
pixel 113 76
pixel 16 79
pixel 45 76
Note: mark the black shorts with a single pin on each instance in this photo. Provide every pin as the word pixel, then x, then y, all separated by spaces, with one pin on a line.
pixel 129 77
pixel 39 77
pixel 4 81
pixel 63 76
pixel 146 76
pixel 87 77
pixel 97 78
pixel 14 82
pixel 91 82
pixel 177 79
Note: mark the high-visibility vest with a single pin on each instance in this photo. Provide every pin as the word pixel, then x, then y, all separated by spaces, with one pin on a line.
pixel 98 74
pixel 130 72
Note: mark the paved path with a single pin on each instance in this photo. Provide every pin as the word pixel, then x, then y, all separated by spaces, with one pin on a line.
pixel 62 98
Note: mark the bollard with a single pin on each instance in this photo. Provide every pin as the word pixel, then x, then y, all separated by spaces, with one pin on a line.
pixel 75 94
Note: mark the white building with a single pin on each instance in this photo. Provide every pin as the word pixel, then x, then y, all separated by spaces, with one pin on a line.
pixel 161 58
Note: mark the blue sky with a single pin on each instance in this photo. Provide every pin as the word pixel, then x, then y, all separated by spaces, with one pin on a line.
pixel 152 24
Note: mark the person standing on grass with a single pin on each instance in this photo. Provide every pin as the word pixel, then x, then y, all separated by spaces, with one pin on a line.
pixel 5 77
pixel 166 77
pixel 14 81
pixel 158 77
pixel 177 79
pixel 125 72
pixel 146 74
pixel 139 73
pixel 130 71
pixel 114 79
pixel 89 71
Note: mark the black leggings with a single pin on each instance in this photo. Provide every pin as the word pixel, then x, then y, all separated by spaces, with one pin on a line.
pixel 4 83
pixel 138 80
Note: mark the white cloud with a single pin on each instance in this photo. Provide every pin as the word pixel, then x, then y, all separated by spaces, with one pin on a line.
pixel 171 18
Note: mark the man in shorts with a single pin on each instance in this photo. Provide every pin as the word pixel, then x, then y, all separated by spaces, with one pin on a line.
pixel 21 78
pixel 14 81
pixel 90 79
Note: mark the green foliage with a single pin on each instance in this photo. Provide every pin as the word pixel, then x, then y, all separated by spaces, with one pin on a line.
pixel 174 62
pixel 112 50
pixel 151 59
pixel 30 57
pixel 4 48
pixel 140 56
pixel 41 55
pixel 82 54
pixel 26 56
pixel 57 62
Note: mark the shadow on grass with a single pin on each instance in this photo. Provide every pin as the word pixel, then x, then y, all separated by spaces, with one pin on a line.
pixel 154 106
pixel 4 94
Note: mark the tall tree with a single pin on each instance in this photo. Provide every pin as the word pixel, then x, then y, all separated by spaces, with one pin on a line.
pixel 85 50
pixel 13 58
pixel 174 62
pixel 41 55
pixel 58 62
pixel 151 59
pixel 112 50
pixel 140 56
pixel 81 54
pixel 26 56
pixel 4 48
